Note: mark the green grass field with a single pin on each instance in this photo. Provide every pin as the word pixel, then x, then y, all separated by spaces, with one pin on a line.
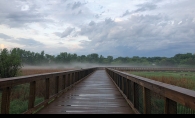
pixel 182 79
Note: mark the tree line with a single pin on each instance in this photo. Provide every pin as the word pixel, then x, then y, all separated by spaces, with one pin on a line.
pixel 11 60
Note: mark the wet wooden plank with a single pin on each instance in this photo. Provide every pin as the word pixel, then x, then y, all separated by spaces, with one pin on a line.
pixel 95 95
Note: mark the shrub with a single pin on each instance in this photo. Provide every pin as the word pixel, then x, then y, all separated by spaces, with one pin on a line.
pixel 10 63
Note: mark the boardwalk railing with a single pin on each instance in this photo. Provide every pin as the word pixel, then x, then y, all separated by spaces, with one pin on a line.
pixel 34 92
pixel 147 96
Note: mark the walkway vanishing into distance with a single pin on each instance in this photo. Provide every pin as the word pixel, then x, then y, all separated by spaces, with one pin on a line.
pixel 97 94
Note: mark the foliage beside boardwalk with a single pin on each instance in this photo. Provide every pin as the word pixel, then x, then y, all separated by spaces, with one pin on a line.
pixel 182 79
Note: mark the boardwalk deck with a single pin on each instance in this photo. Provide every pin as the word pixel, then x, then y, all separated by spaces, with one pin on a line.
pixel 97 94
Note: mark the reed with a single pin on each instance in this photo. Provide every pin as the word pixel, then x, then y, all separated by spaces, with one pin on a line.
pixel 181 79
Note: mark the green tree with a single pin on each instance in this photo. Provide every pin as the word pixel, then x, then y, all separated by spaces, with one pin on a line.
pixel 10 63
pixel 101 59
pixel 83 58
pixel 110 59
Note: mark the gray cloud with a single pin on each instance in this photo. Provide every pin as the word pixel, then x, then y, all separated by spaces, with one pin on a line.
pixel 76 5
pixel 20 18
pixel 147 6
pixel 126 13
pixel 21 41
pixel 141 33
pixel 60 43
pixel 97 16
pixel 80 12
pixel 4 36
pixel 58 34
pixel 67 32
pixel 70 12
pixel 91 23
pixel 108 20
pixel 28 42
pixel 171 27
pixel 18 13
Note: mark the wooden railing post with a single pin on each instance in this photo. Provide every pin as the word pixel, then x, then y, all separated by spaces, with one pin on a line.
pixel 112 74
pixel 117 82
pixel 122 84
pixel 114 77
pixel 79 75
pixel 170 106
pixel 5 105
pixel 82 74
pixel 146 101
pixel 70 79
pixel 63 82
pixel 47 85
pixel 118 79
pixel 32 95
pixel 128 89
pixel 135 95
pixel 56 84
pixel 66 80
pixel 125 87
pixel 60 83
pixel 73 77
pixel 76 76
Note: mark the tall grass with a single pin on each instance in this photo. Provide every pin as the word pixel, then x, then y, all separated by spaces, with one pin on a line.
pixel 19 106
pixel 181 79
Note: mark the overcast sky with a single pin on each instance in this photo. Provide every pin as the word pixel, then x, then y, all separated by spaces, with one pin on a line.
pixel 144 28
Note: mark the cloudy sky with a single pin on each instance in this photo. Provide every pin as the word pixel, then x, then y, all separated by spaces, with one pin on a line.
pixel 144 28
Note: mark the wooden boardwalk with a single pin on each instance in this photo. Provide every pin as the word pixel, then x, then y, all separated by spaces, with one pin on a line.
pixel 97 94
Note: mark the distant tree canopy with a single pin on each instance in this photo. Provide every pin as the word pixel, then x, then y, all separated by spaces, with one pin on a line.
pixel 11 61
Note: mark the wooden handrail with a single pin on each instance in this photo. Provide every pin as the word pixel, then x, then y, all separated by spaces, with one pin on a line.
pixel 68 79
pixel 173 94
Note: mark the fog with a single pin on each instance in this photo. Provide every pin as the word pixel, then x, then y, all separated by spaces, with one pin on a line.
pixel 78 65
pixel 75 65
